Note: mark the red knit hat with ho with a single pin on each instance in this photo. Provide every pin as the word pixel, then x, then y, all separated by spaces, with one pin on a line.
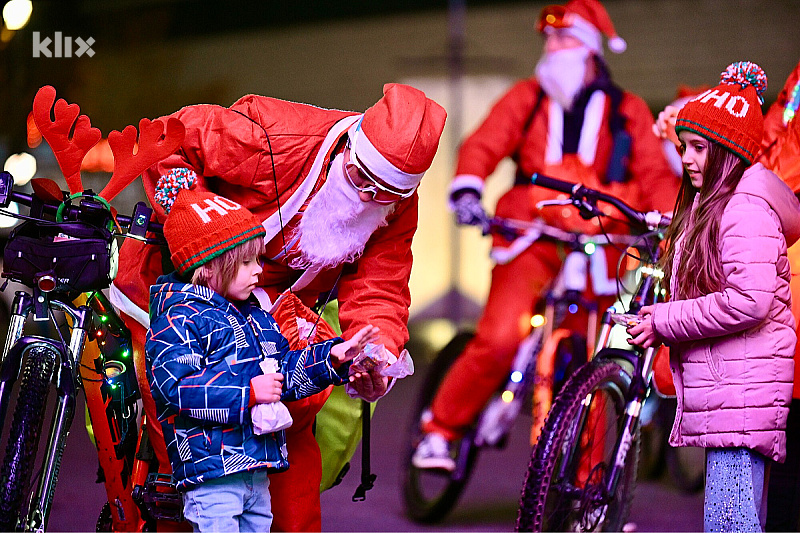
pixel 201 225
pixel 586 20
pixel 397 138
pixel 730 113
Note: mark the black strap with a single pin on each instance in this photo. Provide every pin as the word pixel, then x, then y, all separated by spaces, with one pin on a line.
pixel 367 477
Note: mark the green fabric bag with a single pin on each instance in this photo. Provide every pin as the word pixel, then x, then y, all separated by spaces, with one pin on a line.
pixel 338 424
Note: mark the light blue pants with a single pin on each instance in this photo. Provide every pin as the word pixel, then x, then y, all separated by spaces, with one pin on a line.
pixel 736 490
pixel 238 502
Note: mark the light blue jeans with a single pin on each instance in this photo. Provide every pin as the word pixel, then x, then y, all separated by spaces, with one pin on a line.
pixel 736 490
pixel 238 502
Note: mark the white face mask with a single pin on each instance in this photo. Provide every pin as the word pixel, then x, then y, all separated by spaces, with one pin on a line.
pixel 561 74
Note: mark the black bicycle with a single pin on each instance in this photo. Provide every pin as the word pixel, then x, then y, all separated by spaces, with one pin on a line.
pixel 543 360
pixel 582 471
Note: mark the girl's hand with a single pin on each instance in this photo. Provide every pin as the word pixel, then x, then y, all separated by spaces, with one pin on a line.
pixel 643 334
pixel 266 388
pixel 347 350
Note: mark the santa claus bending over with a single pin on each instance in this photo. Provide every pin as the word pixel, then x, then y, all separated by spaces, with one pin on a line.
pixel 336 191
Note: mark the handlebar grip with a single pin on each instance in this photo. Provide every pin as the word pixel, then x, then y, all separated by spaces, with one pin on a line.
pixel 553 183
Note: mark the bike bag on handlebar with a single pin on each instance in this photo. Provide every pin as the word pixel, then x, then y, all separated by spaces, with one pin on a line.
pixel 81 257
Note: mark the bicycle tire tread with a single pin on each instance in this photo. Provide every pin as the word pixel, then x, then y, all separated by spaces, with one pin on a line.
pixel 546 452
pixel 25 432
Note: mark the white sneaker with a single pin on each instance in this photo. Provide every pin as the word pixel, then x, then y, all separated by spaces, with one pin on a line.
pixel 433 452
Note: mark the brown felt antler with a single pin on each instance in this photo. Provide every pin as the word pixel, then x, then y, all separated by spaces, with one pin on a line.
pixel 69 150
pixel 154 145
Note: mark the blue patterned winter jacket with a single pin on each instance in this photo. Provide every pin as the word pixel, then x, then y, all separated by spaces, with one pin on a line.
pixel 201 353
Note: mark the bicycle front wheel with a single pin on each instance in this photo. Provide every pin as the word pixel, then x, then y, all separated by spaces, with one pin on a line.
pixel 23 439
pixel 564 488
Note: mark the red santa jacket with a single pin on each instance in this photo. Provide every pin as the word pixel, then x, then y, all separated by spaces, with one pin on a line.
pixel 520 127
pixel 248 152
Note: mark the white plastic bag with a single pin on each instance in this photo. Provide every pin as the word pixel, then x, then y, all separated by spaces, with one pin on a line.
pixel 376 358
pixel 270 417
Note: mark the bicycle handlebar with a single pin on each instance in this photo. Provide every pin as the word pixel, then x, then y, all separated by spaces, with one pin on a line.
pixel 138 224
pixel 585 198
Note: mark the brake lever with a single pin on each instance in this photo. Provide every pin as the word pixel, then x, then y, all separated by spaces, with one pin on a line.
pixel 548 203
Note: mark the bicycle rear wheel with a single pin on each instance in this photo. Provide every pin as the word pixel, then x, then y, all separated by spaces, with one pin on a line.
pixel 563 486
pixel 23 439
pixel 431 494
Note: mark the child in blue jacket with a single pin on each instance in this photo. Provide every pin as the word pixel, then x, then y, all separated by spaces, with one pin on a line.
pixel 206 341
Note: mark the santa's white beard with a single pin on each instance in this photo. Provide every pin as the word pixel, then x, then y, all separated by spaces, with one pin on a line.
pixel 336 226
pixel 561 74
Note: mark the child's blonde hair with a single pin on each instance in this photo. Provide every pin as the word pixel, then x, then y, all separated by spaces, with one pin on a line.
pixel 218 273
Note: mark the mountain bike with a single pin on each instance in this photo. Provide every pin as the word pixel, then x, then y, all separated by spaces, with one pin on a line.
pixel 542 361
pixel 582 470
pixel 65 254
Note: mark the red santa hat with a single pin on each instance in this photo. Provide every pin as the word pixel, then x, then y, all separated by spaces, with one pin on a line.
pixel 586 20
pixel 397 138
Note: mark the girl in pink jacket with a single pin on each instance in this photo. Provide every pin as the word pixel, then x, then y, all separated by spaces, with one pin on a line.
pixel 729 323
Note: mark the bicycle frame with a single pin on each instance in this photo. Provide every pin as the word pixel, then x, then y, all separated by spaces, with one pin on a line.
pixel 580 476
pixel 586 255
pixel 650 291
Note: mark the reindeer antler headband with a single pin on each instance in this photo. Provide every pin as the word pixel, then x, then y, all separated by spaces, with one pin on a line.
pixel 155 142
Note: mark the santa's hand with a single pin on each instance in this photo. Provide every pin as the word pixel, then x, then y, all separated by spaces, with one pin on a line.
pixel 347 350
pixel 266 388
pixel 468 209
pixel 369 385
pixel 664 127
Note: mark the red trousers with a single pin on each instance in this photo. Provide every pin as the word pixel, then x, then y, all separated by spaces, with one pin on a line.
pixel 484 366
pixel 295 492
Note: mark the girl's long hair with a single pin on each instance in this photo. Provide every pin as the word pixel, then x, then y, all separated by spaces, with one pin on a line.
pixel 699 270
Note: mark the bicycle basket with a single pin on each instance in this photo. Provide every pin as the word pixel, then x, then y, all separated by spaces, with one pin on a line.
pixel 80 256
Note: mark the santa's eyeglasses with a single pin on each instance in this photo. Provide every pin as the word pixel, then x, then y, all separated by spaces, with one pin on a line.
pixel 554 16
pixel 380 194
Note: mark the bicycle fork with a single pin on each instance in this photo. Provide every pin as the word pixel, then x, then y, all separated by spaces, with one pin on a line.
pixel 67 383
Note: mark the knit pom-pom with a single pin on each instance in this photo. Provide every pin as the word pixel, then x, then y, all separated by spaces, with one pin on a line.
pixel 170 184
pixel 745 73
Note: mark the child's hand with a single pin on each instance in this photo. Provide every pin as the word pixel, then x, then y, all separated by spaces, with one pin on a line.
pixel 347 350
pixel 643 334
pixel 266 388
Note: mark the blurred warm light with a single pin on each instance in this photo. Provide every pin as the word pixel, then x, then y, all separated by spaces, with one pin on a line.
pixel 437 333
pixel 537 321
pixel 22 166
pixel 9 221
pixel 17 13
pixel 5 35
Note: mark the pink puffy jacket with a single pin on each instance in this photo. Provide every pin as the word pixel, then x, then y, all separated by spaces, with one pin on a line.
pixel 732 351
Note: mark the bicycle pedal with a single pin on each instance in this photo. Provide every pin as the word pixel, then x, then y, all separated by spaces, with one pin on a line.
pixel 159 499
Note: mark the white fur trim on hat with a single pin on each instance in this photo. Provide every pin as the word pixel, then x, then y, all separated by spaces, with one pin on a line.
pixel 587 33
pixel 372 159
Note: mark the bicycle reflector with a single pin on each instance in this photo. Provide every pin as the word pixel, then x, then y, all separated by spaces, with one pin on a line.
pixel 46 282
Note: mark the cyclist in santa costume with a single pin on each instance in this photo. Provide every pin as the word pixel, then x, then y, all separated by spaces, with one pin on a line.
pixel 569 121
pixel 336 192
